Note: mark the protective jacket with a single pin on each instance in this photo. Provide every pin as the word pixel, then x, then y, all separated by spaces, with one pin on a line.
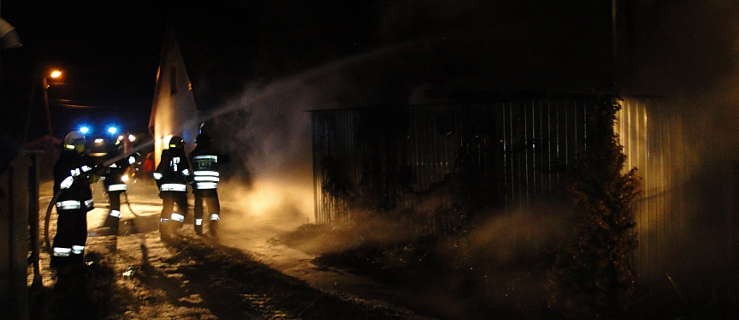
pixel 72 166
pixel 72 175
pixel 173 171
pixel 206 167
pixel 114 173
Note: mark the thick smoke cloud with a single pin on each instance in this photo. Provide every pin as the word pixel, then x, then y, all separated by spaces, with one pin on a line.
pixel 684 52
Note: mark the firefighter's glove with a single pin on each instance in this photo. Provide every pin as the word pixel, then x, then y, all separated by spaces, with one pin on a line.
pixel 66 183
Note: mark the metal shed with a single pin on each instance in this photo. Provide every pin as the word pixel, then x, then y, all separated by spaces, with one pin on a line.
pixel 508 151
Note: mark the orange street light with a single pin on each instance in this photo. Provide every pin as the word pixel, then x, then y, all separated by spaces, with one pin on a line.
pixel 55 74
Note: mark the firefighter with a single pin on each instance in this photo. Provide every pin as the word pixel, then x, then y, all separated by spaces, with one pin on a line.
pixel 115 184
pixel 171 176
pixel 73 173
pixel 205 180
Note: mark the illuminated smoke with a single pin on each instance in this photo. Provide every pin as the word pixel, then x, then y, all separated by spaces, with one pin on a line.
pixel 681 141
pixel 683 138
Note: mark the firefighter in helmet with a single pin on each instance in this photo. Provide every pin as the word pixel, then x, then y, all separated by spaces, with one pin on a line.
pixel 205 180
pixel 114 182
pixel 73 173
pixel 171 176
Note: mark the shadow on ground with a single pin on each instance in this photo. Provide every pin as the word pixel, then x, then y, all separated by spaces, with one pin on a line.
pixel 87 292
pixel 231 284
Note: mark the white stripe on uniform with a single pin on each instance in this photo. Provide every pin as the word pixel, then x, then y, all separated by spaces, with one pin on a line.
pixel 117 187
pixel 207 178
pixel 206 173
pixel 62 252
pixel 174 187
pixel 205 185
pixel 208 157
pixel 177 217
pixel 68 205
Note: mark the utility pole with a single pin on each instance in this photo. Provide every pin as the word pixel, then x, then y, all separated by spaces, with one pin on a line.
pixel 47 109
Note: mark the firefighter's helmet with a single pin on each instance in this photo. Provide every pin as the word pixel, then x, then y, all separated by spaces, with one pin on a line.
pixel 202 134
pixel 176 142
pixel 114 146
pixel 201 128
pixel 74 141
pixel 119 141
pixel 203 139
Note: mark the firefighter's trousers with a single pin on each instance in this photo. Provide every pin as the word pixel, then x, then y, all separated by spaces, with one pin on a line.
pixel 172 219
pixel 207 198
pixel 114 210
pixel 71 235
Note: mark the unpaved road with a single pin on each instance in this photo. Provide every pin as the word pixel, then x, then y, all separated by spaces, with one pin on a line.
pixel 137 276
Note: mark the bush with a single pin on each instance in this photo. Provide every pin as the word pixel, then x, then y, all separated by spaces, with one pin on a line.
pixel 593 275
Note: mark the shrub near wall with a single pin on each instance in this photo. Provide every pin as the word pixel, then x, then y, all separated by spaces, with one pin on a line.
pixel 593 276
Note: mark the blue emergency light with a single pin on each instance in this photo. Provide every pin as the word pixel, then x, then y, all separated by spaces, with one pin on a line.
pixel 84 129
pixel 112 130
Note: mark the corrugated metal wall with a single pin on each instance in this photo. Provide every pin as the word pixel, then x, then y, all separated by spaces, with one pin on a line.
pixel 519 148
pixel 653 139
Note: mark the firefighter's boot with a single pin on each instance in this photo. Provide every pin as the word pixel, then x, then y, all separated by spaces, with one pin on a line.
pixel 213 228
pixel 166 231
pixel 112 220
pixel 198 221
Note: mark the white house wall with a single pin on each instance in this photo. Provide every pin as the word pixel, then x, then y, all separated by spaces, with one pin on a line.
pixel 174 111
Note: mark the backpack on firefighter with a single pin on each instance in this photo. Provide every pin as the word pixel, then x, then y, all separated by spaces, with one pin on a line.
pixel 206 176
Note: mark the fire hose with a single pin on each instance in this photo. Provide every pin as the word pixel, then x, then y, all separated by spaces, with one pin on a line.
pixel 128 204
pixel 47 220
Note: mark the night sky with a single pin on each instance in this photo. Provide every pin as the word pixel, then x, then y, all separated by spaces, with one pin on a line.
pixel 109 56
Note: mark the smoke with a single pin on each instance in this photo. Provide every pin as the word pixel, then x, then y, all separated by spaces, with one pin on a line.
pixel 539 228
pixel 687 54
pixel 462 50
pixel 684 52
pixel 268 126
pixel 269 202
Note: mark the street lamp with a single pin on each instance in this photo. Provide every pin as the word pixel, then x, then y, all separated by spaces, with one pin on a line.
pixel 54 75
pixel 48 76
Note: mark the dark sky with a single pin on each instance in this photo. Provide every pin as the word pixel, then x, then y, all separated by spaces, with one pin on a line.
pixel 109 56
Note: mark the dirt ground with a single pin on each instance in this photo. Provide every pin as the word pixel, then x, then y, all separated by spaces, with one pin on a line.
pixel 242 276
